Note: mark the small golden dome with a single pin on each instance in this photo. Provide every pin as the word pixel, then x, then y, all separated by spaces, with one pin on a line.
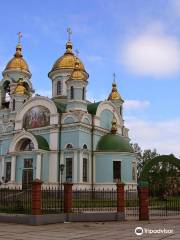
pixel 17 62
pixel 78 73
pixel 20 89
pixel 114 95
pixel 67 61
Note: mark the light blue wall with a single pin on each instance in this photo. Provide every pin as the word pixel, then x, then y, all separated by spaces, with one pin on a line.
pixel 5 146
pixel 106 119
pixel 84 138
pixel 77 138
pixel 70 137
pixel 105 162
pixel 45 167
pixel 77 93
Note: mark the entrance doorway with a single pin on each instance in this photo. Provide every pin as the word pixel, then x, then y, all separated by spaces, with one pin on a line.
pixel 27 178
pixel 27 174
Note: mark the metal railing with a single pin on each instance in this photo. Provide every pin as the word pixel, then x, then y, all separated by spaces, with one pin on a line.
pixel 131 203
pixel 15 200
pixel 100 200
pixel 52 200
pixel 162 203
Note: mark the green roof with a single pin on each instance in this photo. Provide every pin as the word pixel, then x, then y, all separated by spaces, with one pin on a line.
pixel 42 142
pixel 61 107
pixel 92 107
pixel 114 143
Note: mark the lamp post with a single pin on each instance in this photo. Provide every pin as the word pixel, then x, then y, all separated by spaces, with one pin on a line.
pixel 61 171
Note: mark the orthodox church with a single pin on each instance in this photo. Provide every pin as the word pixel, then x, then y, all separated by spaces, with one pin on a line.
pixel 65 138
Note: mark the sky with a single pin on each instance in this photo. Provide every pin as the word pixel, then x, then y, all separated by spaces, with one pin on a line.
pixel 136 39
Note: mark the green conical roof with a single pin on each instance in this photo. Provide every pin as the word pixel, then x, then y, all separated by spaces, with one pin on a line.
pixel 114 143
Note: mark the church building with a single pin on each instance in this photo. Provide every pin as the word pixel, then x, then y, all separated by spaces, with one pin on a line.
pixel 64 138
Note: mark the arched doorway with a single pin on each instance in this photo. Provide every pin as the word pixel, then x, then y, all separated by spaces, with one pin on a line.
pixel 26 145
pixel 26 152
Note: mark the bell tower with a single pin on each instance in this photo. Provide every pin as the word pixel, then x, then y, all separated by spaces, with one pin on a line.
pixel 62 70
pixel 76 89
pixel 16 83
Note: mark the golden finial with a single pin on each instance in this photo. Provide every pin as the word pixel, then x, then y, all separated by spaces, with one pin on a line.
pixel 114 125
pixel 19 37
pixel 69 31
pixel 69 45
pixel 18 47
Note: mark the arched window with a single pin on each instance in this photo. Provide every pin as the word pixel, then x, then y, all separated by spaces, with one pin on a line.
pixel 83 93
pixel 121 110
pixel 84 146
pixel 69 145
pixel 72 92
pixel 27 145
pixel 59 88
pixel 13 108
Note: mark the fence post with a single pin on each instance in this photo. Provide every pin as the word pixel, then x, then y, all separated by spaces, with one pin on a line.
pixel 120 200
pixel 36 197
pixel 143 191
pixel 68 197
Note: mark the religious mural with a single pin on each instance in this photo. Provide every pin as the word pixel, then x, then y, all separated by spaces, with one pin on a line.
pixel 36 117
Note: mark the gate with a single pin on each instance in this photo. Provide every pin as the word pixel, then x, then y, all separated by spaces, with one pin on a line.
pixel 131 203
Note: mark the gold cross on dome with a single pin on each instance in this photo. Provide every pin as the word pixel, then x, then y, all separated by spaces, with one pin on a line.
pixel 69 31
pixel 77 52
pixel 114 77
pixel 19 37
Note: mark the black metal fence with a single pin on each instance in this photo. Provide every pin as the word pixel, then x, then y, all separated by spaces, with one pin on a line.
pixel 52 200
pixel 94 200
pixel 164 204
pixel 161 204
pixel 131 203
pixel 15 200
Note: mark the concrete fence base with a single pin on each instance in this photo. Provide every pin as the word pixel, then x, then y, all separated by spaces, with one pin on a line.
pixel 60 218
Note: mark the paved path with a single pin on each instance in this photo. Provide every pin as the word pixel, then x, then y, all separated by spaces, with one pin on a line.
pixel 89 231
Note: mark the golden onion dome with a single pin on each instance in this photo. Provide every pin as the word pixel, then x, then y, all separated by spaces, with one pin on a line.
pixel 17 62
pixel 78 73
pixel 114 95
pixel 67 61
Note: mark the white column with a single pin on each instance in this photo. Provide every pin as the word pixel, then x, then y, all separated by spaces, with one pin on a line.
pixel 80 167
pixel 75 168
pixel 13 168
pixel 38 166
pixel 2 168
pixel 53 166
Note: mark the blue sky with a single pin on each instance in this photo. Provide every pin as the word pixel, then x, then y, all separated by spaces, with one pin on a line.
pixel 138 40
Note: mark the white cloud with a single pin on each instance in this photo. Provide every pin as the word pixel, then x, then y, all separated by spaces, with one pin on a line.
pixel 152 53
pixel 163 135
pixel 136 104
